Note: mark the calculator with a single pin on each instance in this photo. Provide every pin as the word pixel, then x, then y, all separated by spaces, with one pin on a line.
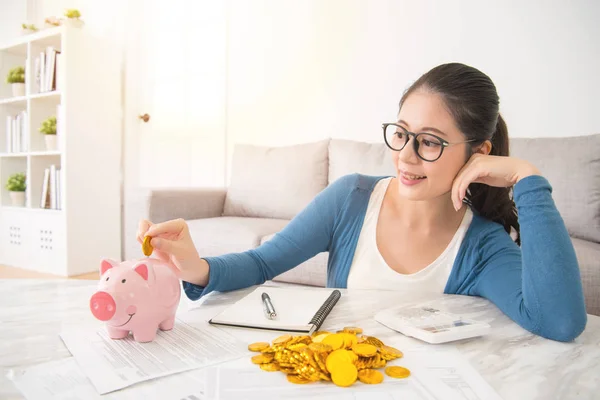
pixel 430 324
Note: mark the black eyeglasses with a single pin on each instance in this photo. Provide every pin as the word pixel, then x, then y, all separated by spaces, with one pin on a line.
pixel 428 147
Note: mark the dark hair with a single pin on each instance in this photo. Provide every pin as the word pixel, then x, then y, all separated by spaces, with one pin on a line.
pixel 472 100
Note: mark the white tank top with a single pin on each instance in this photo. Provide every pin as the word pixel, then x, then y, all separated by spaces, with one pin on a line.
pixel 370 271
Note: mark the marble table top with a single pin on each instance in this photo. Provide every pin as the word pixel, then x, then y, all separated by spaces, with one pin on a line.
pixel 516 363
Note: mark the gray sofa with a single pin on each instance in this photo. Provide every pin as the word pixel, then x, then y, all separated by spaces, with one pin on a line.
pixel 269 186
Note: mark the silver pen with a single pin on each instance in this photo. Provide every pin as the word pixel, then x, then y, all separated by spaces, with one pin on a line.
pixel 268 306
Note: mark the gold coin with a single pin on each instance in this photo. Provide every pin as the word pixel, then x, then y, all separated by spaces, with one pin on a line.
pixel 319 338
pixel 302 339
pixel 282 339
pixel 258 346
pixel 353 329
pixel 287 370
pixel 374 341
pixel 371 376
pixel 321 359
pixel 395 353
pixel 317 333
pixel 349 340
pixel 296 346
pixel 397 372
pixel 147 247
pixel 262 359
pixel 320 347
pixel 297 379
pixel 338 357
pixel 271 367
pixel 344 374
pixel 335 340
pixel 365 350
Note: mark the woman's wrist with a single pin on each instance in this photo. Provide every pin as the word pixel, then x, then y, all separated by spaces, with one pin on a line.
pixel 199 274
pixel 527 170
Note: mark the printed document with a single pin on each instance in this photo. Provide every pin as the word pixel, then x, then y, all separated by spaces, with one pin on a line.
pixel 114 364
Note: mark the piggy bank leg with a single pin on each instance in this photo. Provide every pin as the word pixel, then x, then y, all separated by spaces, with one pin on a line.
pixel 167 324
pixel 116 333
pixel 145 335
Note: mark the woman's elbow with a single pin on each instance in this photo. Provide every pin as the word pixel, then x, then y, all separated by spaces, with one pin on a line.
pixel 566 329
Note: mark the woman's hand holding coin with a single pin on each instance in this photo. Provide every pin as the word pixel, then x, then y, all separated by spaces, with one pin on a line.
pixel 171 242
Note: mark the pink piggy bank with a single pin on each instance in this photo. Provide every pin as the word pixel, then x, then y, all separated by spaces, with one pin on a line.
pixel 137 296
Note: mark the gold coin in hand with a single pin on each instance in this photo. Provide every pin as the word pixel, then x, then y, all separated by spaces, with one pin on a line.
pixel 147 248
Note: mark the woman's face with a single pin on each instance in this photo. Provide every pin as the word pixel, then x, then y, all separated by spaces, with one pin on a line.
pixel 423 111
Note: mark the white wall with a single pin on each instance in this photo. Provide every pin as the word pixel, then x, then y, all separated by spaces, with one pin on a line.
pixel 300 71
pixel 12 14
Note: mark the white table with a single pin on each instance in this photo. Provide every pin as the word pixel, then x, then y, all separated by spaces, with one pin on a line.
pixel 517 364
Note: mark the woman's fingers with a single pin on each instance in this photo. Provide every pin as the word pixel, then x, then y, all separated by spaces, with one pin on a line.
pixel 457 185
pixel 467 175
pixel 143 227
pixel 172 227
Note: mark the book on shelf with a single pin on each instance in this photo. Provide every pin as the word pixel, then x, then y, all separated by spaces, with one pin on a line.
pixel 51 188
pixel 46 66
pixel 17 139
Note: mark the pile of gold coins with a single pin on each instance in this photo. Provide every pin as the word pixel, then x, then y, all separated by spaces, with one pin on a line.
pixel 341 357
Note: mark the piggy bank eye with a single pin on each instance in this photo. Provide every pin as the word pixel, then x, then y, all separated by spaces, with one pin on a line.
pixel 107 277
pixel 123 281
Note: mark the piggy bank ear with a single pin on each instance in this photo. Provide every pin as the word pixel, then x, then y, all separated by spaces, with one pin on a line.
pixel 142 270
pixel 107 264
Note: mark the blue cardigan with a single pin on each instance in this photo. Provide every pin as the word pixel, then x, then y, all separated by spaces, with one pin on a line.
pixel 537 285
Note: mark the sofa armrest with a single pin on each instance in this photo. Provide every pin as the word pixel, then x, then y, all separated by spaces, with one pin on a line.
pixel 167 204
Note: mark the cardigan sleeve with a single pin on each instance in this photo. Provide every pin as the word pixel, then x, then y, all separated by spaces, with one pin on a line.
pixel 307 234
pixel 538 285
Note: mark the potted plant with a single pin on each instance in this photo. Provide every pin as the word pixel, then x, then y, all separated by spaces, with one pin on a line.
pixel 16 77
pixel 48 128
pixel 28 28
pixel 16 188
pixel 73 17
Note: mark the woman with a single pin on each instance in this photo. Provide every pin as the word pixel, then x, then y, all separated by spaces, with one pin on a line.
pixel 443 224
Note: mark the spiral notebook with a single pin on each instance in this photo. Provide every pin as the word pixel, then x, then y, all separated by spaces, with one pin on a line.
pixel 298 310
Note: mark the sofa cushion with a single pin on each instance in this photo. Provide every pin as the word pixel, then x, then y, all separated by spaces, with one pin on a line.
pixel 275 182
pixel 588 254
pixel 311 272
pixel 572 166
pixel 349 156
pixel 221 235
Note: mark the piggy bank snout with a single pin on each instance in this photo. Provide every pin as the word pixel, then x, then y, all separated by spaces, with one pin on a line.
pixel 103 306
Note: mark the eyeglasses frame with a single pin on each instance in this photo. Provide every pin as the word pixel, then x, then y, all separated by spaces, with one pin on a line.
pixel 409 134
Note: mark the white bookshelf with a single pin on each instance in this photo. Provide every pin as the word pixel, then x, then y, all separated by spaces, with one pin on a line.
pixel 85 226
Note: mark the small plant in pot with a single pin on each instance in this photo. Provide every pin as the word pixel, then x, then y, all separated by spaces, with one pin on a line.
pixel 73 17
pixel 16 78
pixel 16 186
pixel 28 28
pixel 48 128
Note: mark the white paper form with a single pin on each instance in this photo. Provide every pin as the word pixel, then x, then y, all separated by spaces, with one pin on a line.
pixel 452 369
pixel 237 380
pixel 115 364
pixel 64 380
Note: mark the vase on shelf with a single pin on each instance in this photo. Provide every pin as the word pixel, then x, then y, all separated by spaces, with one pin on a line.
pixel 51 142
pixel 73 22
pixel 17 198
pixel 18 89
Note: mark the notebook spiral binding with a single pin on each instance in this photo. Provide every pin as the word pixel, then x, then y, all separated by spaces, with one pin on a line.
pixel 325 309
